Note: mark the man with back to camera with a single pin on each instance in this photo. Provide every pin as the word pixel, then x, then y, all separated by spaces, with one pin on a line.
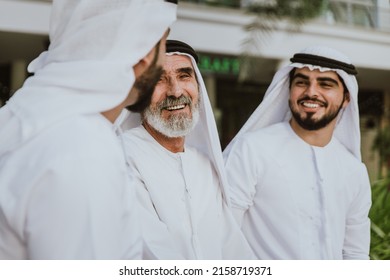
pixel 64 188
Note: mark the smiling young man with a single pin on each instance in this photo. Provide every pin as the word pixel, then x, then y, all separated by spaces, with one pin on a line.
pixel 316 98
pixel 176 164
pixel 299 188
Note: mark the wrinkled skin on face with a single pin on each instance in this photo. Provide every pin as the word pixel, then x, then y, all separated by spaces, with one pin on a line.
pixel 174 108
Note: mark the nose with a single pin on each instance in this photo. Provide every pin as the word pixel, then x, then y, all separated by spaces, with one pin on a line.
pixel 174 88
pixel 312 90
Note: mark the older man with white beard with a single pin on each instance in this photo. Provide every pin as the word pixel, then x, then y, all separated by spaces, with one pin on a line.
pixel 176 163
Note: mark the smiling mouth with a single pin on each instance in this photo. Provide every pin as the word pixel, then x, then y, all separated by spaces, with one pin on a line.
pixel 176 107
pixel 310 105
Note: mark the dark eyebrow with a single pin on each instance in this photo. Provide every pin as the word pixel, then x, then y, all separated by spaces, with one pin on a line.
pixel 187 70
pixel 320 79
pixel 327 79
pixel 299 75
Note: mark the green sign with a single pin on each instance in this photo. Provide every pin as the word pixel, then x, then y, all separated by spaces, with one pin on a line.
pixel 219 64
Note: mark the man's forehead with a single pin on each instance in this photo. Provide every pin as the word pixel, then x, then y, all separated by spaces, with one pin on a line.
pixel 173 62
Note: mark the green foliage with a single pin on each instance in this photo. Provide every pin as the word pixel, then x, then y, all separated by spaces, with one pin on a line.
pixel 269 12
pixel 380 210
pixel 380 220
pixel 268 15
pixel 294 10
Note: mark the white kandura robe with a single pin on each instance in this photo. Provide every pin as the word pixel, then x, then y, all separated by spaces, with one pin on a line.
pixel 184 214
pixel 300 201
pixel 65 194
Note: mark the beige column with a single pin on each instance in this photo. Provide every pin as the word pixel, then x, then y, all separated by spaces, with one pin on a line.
pixel 18 74
pixel 282 63
pixel 211 86
pixel 385 123
pixel 386 109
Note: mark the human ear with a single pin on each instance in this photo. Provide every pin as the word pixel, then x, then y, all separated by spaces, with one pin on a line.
pixel 347 99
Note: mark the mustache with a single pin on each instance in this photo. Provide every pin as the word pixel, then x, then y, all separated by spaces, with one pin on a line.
pixel 313 99
pixel 173 101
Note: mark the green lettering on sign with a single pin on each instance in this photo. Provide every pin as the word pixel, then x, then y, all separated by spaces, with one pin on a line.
pixel 219 64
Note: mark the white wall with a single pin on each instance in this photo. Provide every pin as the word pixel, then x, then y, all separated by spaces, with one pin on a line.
pixel 24 16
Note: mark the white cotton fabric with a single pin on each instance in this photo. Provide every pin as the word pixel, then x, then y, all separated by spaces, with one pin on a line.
pixel 65 195
pixel 274 108
pixel 183 212
pixel 64 189
pixel 186 214
pixel 299 201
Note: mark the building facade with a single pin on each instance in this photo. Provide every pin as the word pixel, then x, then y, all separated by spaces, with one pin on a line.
pixel 238 64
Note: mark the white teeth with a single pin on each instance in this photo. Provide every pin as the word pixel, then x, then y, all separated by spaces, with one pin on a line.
pixel 310 105
pixel 177 107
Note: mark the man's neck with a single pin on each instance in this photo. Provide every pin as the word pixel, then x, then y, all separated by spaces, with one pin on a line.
pixel 319 138
pixel 174 145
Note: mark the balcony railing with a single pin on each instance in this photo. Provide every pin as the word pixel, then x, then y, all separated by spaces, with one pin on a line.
pixel 354 13
pixel 358 13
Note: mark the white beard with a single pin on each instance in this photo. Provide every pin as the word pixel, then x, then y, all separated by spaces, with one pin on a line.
pixel 176 126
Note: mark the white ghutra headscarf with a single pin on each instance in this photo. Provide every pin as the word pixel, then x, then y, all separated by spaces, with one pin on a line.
pixel 88 67
pixel 274 108
pixel 204 137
